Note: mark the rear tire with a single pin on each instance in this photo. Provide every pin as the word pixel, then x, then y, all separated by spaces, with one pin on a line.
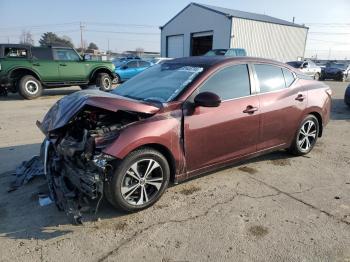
pixel 306 136
pixel 29 87
pixel 104 81
pixel 132 190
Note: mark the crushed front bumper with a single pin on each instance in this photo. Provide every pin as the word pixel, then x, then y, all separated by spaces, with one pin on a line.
pixel 73 189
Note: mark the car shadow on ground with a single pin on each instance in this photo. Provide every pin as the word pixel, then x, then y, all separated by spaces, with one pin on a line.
pixel 21 216
pixel 340 111
pixel 48 93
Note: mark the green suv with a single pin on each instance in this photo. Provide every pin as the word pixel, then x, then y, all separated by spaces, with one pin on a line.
pixel 28 70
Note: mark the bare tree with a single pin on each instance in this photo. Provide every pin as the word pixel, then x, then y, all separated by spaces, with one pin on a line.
pixel 26 38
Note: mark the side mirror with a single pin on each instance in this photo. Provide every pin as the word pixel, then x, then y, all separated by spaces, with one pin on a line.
pixel 86 57
pixel 207 99
pixel 124 67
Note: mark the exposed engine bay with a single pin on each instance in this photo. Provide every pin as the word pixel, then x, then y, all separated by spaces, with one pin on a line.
pixel 75 165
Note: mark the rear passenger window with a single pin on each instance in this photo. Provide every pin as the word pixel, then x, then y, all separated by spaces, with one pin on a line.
pixel 42 53
pixel 270 78
pixel 288 77
pixel 230 82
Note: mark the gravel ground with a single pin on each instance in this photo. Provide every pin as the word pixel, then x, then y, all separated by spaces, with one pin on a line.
pixel 273 208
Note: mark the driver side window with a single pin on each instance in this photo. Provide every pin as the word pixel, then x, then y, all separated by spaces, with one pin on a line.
pixel 229 83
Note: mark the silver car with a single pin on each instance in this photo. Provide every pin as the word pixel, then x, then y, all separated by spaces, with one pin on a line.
pixel 307 67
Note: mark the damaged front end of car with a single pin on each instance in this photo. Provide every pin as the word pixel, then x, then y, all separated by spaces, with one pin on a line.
pixel 75 165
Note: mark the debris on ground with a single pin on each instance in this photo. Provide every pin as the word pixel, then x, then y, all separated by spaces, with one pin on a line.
pixel 27 171
pixel 44 200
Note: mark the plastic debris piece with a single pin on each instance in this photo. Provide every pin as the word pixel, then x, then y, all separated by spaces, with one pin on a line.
pixel 26 171
pixel 45 201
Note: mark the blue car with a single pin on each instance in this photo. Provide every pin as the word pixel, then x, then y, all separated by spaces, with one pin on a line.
pixel 347 96
pixel 127 69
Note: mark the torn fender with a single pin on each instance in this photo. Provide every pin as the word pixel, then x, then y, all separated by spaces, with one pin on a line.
pixel 69 106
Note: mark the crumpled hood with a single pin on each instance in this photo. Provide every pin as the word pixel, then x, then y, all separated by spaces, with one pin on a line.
pixel 69 106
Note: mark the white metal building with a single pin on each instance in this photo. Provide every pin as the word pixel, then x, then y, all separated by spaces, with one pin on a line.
pixel 198 28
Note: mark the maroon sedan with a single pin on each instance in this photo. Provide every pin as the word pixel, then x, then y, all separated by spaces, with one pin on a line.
pixel 175 121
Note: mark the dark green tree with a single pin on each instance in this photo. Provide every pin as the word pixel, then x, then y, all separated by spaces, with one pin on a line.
pixel 51 38
pixel 92 46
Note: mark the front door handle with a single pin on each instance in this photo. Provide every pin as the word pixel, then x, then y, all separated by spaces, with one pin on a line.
pixel 36 64
pixel 63 64
pixel 250 109
pixel 300 97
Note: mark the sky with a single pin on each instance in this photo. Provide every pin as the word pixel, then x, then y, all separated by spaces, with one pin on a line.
pixel 126 25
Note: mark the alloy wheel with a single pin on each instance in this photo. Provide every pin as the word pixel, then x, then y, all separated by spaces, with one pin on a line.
pixel 106 83
pixel 31 87
pixel 142 182
pixel 307 135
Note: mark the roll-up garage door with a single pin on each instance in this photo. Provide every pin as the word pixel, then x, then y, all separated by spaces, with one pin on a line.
pixel 175 46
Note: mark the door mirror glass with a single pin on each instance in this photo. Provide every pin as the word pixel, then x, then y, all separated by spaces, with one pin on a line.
pixel 86 57
pixel 207 99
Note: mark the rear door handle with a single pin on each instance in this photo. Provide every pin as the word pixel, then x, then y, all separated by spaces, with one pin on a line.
pixel 63 64
pixel 250 109
pixel 300 97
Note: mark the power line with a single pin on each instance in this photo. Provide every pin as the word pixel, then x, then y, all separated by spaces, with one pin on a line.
pixel 121 32
pixel 125 25
pixel 329 33
pixel 38 26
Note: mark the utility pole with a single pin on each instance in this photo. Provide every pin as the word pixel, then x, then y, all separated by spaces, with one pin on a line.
pixel 81 36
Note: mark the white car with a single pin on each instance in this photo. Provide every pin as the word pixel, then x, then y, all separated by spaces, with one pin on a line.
pixel 307 67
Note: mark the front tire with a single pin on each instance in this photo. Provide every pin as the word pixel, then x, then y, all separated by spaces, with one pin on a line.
pixel 317 76
pixel 117 79
pixel 138 181
pixel 29 87
pixel 104 82
pixel 306 136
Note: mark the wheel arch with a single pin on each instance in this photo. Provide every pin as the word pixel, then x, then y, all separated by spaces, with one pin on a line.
pixel 18 72
pixel 166 153
pixel 98 70
pixel 320 122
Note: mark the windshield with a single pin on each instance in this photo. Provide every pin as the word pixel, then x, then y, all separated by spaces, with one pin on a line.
pixel 118 63
pixel 160 83
pixel 296 64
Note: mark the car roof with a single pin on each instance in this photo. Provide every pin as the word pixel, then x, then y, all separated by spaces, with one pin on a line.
pixel 209 61
pixel 15 45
